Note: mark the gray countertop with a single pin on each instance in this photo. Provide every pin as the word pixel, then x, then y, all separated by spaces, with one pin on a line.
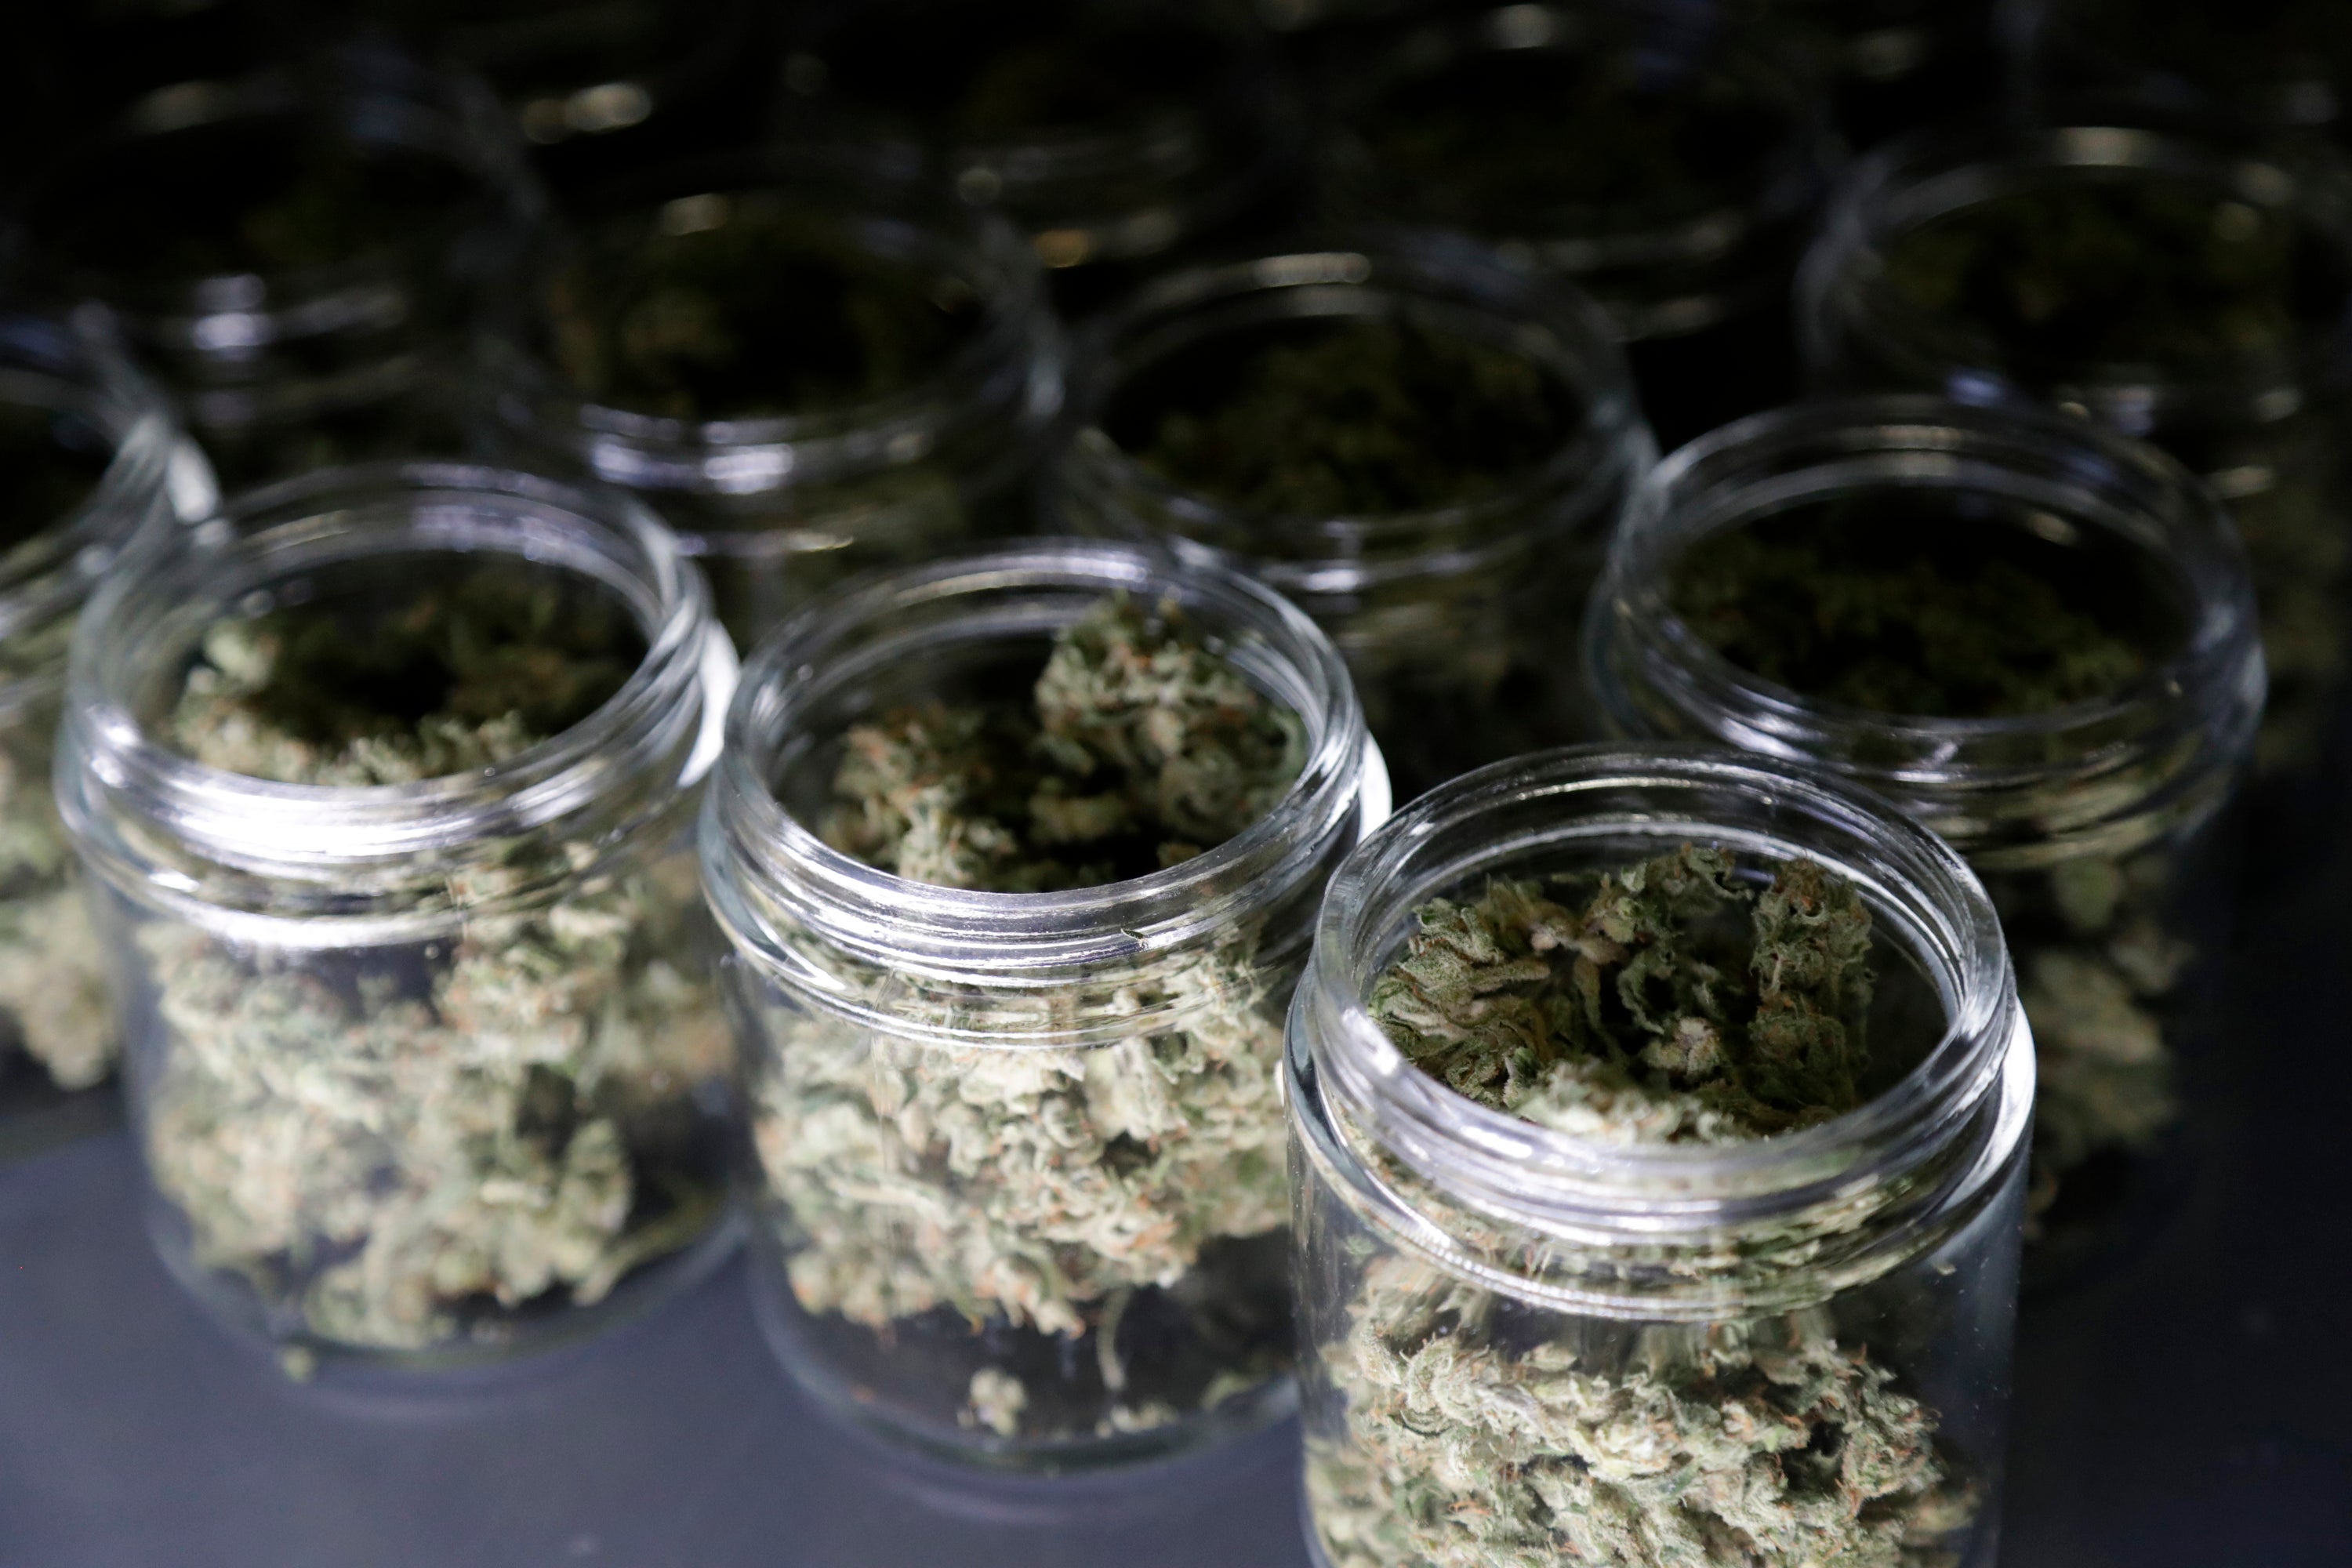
pixel 2181 1405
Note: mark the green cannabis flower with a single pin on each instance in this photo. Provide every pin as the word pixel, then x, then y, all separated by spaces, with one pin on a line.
pixel 1362 418
pixel 1636 1014
pixel 968 1190
pixel 735 306
pixel 394 1144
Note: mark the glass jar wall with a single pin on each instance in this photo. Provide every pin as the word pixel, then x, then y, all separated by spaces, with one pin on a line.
pixel 385 786
pixel 2190 291
pixel 93 475
pixel 1667 160
pixel 1017 1188
pixel 2036 637
pixel 806 374
pixel 1596 1341
pixel 1422 448
pixel 1110 131
pixel 298 255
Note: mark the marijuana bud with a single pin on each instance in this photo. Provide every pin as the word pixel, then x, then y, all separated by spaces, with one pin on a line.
pixel 403 1146
pixel 1634 1006
pixel 1095 1234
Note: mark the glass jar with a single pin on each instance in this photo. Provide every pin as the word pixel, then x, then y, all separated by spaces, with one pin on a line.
pixel 1110 131
pixel 2099 825
pixel 427 1071
pixel 299 256
pixel 95 475
pixel 1667 161
pixel 1894 65
pixel 1449 615
pixel 2263 419
pixel 2285 64
pixel 1017 1191
pixel 788 471
pixel 1525 1346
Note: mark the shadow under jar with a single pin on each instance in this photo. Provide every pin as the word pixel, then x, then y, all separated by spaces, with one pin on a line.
pixel 2186 291
pixel 2036 637
pixel 386 788
pixel 1663 1310
pixel 93 475
pixel 1668 163
pixel 1016 1175
pixel 299 256
pixel 807 375
pixel 1424 450
pixel 1110 131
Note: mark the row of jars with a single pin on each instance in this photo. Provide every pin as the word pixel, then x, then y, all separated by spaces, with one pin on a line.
pixel 426 1070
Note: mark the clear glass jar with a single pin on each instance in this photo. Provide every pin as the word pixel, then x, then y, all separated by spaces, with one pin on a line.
pixel 1111 131
pixel 421 1073
pixel 1700 153
pixel 1523 1346
pixel 1017 1191
pixel 299 256
pixel 96 476
pixel 2099 827
pixel 2264 425
pixel 781 507
pixel 1450 617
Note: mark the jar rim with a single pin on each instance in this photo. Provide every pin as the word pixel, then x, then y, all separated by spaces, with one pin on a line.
pixel 1314 279
pixel 1504 1164
pixel 2198 708
pixel 1012 359
pixel 1928 175
pixel 754 845
pixel 658 732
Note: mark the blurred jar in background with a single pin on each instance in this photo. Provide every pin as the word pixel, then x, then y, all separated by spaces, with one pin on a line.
pixel 301 256
pixel 1111 131
pixel 1422 448
pixel 93 473
pixel 805 373
pixel 1894 65
pixel 2036 637
pixel 594 85
pixel 1668 160
pixel 2188 290
pixel 2284 64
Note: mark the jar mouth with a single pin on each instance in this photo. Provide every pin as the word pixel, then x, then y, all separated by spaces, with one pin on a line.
pixel 1592 238
pixel 364 100
pixel 998 365
pixel 1510 812
pixel 1014 596
pixel 1365 276
pixel 1842 293
pixel 151 476
pixel 2172 728
pixel 651 737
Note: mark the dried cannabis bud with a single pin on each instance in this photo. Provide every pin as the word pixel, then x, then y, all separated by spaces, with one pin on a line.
pixel 1635 1016
pixel 392 1144
pixel 733 306
pixel 1040 1208
pixel 2145 270
pixel 1890 614
pixel 1356 418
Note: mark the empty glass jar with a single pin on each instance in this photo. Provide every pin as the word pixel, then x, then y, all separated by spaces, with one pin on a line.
pixel 1527 1345
pixel 2036 637
pixel 384 788
pixel 1017 1189
pixel 1425 449
pixel 2192 291
pixel 299 256
pixel 806 374
pixel 93 475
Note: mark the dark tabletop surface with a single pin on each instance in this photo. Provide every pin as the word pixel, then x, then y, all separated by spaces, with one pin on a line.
pixel 2184 1404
